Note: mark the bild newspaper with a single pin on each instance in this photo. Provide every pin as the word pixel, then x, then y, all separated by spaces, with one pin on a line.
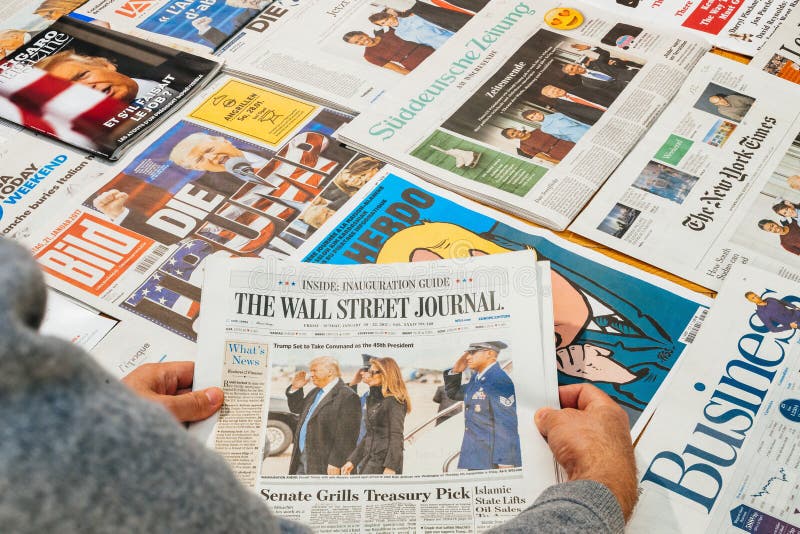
pixel 464 462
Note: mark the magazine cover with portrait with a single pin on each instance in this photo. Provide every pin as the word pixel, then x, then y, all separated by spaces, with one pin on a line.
pixel 350 413
pixel 95 88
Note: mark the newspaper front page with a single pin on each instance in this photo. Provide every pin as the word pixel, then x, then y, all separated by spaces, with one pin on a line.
pixel 242 171
pixel 531 111
pixel 743 26
pixel 379 452
pixel 349 54
pixel 721 454
pixel 615 326
pixel 687 198
pixel 20 20
pixel 199 26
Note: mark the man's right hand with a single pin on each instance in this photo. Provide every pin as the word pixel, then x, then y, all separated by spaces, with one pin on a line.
pixel 110 203
pixel 591 363
pixel 357 378
pixel 590 437
pixel 461 363
pixel 300 380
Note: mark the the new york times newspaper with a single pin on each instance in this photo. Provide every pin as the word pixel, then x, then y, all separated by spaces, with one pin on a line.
pixel 714 182
pixel 721 453
pixel 528 108
pixel 406 388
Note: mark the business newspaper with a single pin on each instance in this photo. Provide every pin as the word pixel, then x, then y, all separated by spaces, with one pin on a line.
pixel 242 171
pixel 199 26
pixel 531 111
pixel 378 446
pixel 706 187
pixel 348 54
pixel 743 26
pixel 20 20
pixel 721 454
pixel 615 326
pixel 94 88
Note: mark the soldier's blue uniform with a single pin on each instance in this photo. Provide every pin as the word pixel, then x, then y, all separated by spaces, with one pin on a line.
pixel 491 437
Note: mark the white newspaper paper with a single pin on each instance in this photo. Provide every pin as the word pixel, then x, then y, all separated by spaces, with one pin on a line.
pixel 743 26
pixel 697 194
pixel 721 453
pixel 70 320
pixel 265 322
pixel 527 110
pixel 20 20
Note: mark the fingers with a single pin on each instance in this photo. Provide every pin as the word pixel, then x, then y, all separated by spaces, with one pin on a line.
pixel 176 376
pixel 544 420
pixel 194 406
pixel 583 396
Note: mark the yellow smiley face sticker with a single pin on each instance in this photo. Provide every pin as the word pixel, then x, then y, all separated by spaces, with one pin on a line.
pixel 563 18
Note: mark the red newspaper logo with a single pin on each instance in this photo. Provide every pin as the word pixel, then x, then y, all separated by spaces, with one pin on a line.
pixel 132 8
pixel 711 16
pixel 92 253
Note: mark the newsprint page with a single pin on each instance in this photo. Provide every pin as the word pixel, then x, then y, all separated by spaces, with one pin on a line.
pixel 432 434
pixel 528 113
pixel 713 183
pixel 721 454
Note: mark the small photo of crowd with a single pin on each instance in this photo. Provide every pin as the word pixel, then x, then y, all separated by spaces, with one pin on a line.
pixel 665 182
pixel 619 220
pixel 365 414
pixel 724 103
pixel 398 35
pixel 542 110
pixel 772 225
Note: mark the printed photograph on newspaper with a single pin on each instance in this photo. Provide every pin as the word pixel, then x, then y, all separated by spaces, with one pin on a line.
pixel 21 20
pixel 191 25
pixel 615 326
pixel 94 88
pixel 245 171
pixel 406 385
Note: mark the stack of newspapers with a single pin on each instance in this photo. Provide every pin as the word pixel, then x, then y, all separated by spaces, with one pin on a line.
pixel 343 199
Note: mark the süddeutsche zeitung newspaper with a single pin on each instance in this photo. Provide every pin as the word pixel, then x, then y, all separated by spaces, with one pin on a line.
pixel 373 362
pixel 528 109
pixel 721 453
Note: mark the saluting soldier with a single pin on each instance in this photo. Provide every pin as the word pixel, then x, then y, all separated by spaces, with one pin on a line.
pixel 491 438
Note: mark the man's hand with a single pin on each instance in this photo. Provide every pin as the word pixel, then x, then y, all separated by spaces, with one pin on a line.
pixel 592 363
pixel 202 24
pixel 110 203
pixel 590 437
pixel 357 378
pixel 389 471
pixel 581 47
pixel 169 384
pixel 461 363
pixel 504 466
pixel 347 468
pixel 300 380
pixel 793 325
pixel 333 470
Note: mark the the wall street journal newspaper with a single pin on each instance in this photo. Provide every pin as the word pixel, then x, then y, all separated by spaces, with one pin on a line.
pixel 192 25
pixel 373 447
pixel 615 326
pixel 531 110
pixel 348 54
pixel 243 171
pixel 706 187
pixel 721 453
pixel 743 26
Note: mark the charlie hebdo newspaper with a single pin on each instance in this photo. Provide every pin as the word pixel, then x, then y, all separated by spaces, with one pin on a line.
pixel 278 333
pixel 95 88
pixel 20 20
pixel 243 171
pixel 710 185
pixel 721 454
pixel 192 25
pixel 615 326
pixel 743 26
pixel 528 110
pixel 348 54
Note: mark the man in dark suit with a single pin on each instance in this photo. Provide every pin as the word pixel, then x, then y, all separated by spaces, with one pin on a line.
pixel 329 419
pixel 491 437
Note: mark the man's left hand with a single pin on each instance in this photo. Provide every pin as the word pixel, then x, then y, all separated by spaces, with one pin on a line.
pixel 333 470
pixel 169 384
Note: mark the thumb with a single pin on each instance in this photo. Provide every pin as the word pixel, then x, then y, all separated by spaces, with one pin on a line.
pixel 544 420
pixel 195 406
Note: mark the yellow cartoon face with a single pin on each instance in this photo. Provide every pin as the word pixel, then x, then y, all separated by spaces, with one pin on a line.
pixel 563 18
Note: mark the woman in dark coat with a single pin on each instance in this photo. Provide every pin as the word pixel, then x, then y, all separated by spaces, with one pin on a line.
pixel 381 449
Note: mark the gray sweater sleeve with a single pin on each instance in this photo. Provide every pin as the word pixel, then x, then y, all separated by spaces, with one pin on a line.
pixel 570 508
pixel 81 453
